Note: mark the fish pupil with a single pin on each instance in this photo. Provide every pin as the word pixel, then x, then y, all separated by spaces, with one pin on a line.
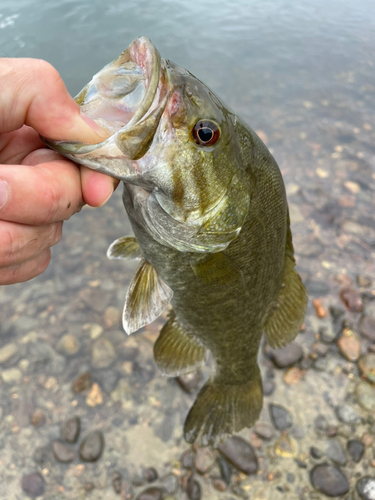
pixel 205 134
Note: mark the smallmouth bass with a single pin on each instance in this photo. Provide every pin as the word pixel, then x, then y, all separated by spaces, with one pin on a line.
pixel 208 207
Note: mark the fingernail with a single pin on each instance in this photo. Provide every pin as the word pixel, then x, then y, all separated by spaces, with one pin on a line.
pixel 97 128
pixel 4 192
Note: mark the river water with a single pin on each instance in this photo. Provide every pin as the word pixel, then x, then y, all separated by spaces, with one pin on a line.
pixel 301 74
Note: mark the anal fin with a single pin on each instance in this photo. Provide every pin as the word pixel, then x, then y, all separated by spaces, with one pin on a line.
pixel 126 247
pixel 176 352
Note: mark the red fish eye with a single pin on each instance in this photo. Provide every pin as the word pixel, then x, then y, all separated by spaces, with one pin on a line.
pixel 206 133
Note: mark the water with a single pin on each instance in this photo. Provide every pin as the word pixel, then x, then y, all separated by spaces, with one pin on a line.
pixel 302 74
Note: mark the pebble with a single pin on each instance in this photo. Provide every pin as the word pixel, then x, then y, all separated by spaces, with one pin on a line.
pixel 320 310
pixel 11 375
pixel 204 460
pixel 127 492
pixel 42 456
pixel 366 488
pixel 240 453
pixel 347 414
pixel 263 430
pixel 268 388
pixel 335 452
pixel 7 352
pixel 280 417
pixel 349 345
pixel 68 345
pixel 320 349
pixel 366 364
pixel 355 449
pixel 82 383
pixel 367 327
pixel 38 418
pixel 95 396
pixel 321 364
pixel 187 459
pixel 363 281
pixel 321 425
pixel 365 396
pixel 219 484
pixel 225 469
pixel 315 453
pixel 91 447
pixel 103 353
pixel 62 452
pixel 33 484
pixel 95 331
pixel 112 317
pixel 170 483
pixel 285 446
pixel 286 356
pixel 151 494
pixel 70 429
pixel 367 439
pixel 150 474
pixel 293 375
pixel 327 333
pixel 190 382
pixel 351 300
pixel 193 489
pixel 329 480
pixel 116 482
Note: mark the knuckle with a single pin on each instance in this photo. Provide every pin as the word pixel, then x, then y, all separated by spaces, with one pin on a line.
pixel 46 70
pixel 7 246
pixel 52 202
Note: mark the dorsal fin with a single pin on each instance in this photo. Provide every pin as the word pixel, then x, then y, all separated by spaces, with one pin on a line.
pixel 146 299
pixel 126 247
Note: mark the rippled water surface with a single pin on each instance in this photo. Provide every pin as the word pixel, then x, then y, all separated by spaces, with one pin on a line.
pixel 302 75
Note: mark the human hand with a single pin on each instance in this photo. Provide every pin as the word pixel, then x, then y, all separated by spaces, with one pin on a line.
pixel 39 189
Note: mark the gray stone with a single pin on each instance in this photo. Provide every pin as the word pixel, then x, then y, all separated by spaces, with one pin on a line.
pixel 62 452
pixel 286 356
pixel 91 447
pixel 70 429
pixel 355 449
pixel 347 414
pixel 151 494
pixel 263 430
pixel 280 417
pixel 150 474
pixel 194 490
pixel 103 353
pixel 366 488
pixel 33 485
pixel 268 388
pixel 204 460
pixel 365 396
pixel 170 483
pixel 367 327
pixel 116 482
pixel 329 480
pixel 321 425
pixel 240 454
pixel 190 382
pixel 335 452
pixel 68 345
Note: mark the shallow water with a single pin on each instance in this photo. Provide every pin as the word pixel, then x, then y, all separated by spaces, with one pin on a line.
pixel 302 75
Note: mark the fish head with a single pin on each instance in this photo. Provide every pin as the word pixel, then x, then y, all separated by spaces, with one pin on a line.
pixel 172 138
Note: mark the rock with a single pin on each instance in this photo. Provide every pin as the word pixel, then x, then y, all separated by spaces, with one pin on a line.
pixel 367 439
pixel 351 300
pixel 366 364
pixel 88 486
pixel 321 364
pixel 263 430
pixel 285 446
pixel 187 459
pixel 7 352
pixel 365 396
pixel 112 317
pixel 193 489
pixel 219 484
pixel 366 488
pixel 70 429
pixel 127 492
pixel 204 460
pixel 356 449
pixel 327 333
pixel 363 281
pixel 116 482
pixel 61 452
pixel 240 454
pixel 239 492
pixel 82 383
pixel 315 453
pixel 286 356
pixel 38 418
pixel 91 447
pixel 103 353
pixel 293 375
pixel 367 327
pixel 320 349
pixel 320 310
pixel 42 456
pixel 280 417
pixel 321 425
pixel 150 474
pixel 335 452
pixel 33 484
pixel 190 382
pixel 151 494
pixel 347 414
pixel 268 388
pixel 329 480
pixel 349 345
pixel 68 345
pixel 95 331
pixel 170 483
pixel 95 396
pixel 225 469
pixel 11 375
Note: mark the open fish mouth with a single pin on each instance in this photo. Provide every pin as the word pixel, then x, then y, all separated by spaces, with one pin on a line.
pixel 127 99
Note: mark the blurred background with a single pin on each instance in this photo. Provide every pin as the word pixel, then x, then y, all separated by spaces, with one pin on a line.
pixel 302 75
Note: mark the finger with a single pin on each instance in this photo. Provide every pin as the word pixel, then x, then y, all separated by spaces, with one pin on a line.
pixel 27 270
pixel 97 188
pixel 39 195
pixel 19 242
pixel 33 93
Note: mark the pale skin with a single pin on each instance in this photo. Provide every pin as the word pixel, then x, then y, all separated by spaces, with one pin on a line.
pixel 39 189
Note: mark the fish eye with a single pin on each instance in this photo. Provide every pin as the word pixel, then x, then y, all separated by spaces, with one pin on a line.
pixel 206 132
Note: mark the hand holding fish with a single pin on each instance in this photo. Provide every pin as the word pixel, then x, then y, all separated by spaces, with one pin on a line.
pixel 39 189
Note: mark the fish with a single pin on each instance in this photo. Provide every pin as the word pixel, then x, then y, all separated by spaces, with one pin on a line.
pixel 208 208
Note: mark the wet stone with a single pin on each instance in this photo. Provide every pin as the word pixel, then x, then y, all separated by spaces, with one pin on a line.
pixel 239 491
pixel 327 333
pixel 127 492
pixel 91 447
pixel 150 474
pixel 193 490
pixel 68 345
pixel 286 356
pixel 365 396
pixel 351 300
pixel 367 327
pixel 82 383
pixel 190 382
pixel 347 414
pixel 204 460
pixel 11 375
pixel 187 459
pixel 349 345
pixel 38 418
pixel 263 430
pixel 366 364
pixel 315 453
pixel 219 484
pixel 240 454
pixel 363 281
pixel 7 352
pixel 321 364
pixel 103 353
pixel 225 469
pixel 321 425
pixel 33 485
pixel 280 417
pixel 116 482
pixel 366 488
pixel 355 449
pixel 151 494
pixel 62 452
pixel 268 387
pixel 335 452
pixel 329 480
pixel 70 429
pixel 170 483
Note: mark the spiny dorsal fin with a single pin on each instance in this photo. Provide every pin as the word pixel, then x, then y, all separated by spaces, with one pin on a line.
pixel 146 299
pixel 126 247
pixel 286 320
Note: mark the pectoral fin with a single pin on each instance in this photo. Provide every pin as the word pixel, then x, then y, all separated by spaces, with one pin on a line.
pixel 146 299
pixel 126 247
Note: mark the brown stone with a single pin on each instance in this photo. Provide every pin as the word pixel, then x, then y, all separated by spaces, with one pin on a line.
pixel 366 364
pixel 349 345
pixel 351 300
pixel 293 375
pixel 320 310
pixel 367 327
pixel 82 383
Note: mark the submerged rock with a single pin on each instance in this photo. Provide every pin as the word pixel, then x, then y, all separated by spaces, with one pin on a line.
pixel 33 484
pixel 367 327
pixel 190 382
pixel 62 452
pixel 366 488
pixel 151 494
pixel 280 417
pixel 240 454
pixel 91 447
pixel 329 480
pixel 355 449
pixel 70 429
pixel 286 356
pixel 366 364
